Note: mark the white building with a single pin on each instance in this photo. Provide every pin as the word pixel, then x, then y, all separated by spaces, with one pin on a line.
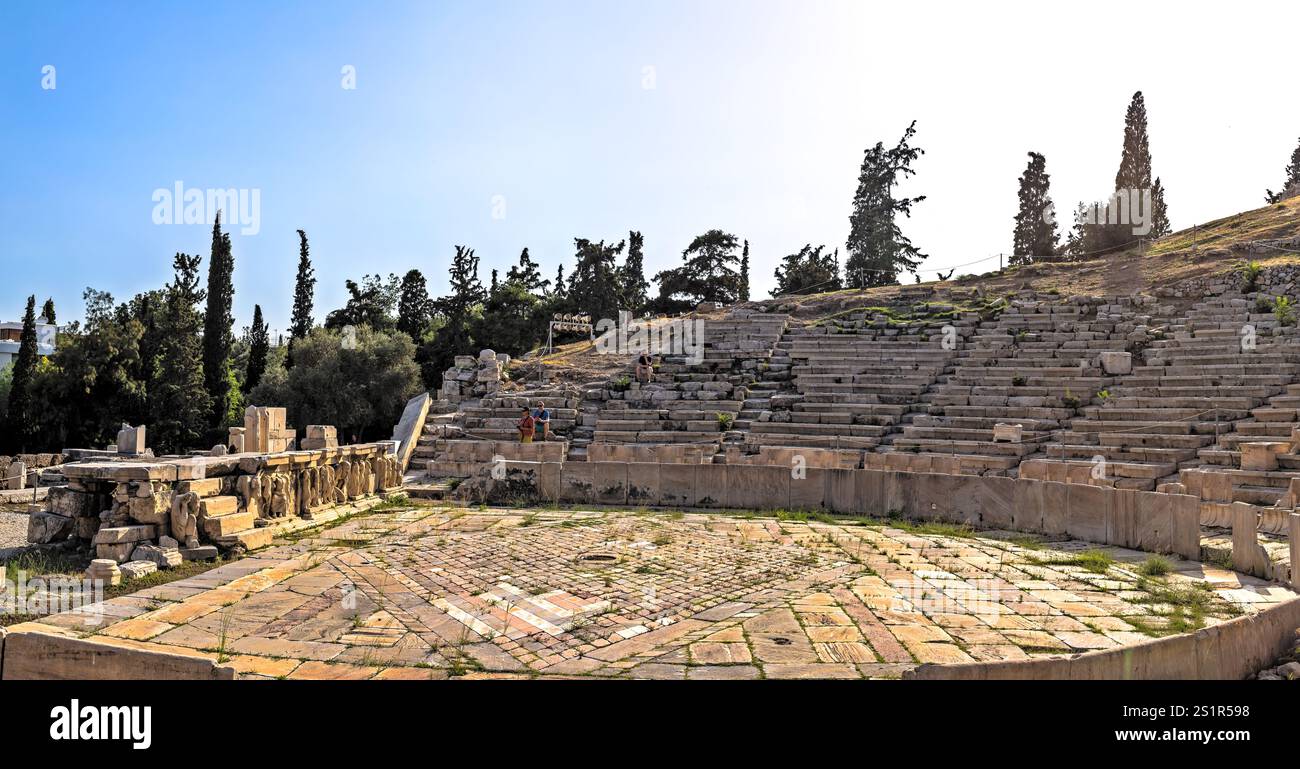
pixel 11 335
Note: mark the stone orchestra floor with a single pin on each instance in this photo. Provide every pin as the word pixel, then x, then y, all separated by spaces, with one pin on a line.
pixel 430 592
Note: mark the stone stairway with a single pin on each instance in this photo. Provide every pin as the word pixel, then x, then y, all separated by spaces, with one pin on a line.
pixel 698 401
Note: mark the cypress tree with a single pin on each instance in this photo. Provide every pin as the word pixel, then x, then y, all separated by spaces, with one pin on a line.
pixel 179 404
pixel 47 312
pixel 414 308
pixel 218 322
pixel 632 283
pixel 560 289
pixel 744 272
pixel 1292 178
pixel 878 249
pixel 259 345
pixel 304 290
pixel 20 420
pixel 1159 213
pixel 1134 175
pixel 1035 232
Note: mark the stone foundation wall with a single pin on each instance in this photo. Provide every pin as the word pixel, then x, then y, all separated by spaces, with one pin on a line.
pixel 1232 650
pixel 1144 520
pixel 186 503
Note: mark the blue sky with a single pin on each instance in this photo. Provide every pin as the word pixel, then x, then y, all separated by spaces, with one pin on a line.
pixel 755 123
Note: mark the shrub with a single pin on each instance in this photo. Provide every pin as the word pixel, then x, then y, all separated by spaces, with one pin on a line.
pixel 1284 311
pixel 1250 272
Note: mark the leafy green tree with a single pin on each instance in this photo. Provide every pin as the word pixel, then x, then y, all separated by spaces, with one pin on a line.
pixel 304 292
pixel 513 320
pixel 633 288
pixel 20 417
pixel 1292 178
pixel 47 312
pixel 1035 232
pixel 877 248
pixel 259 344
pixel 708 274
pixel 414 307
pixel 808 271
pixel 361 388
pixel 179 404
pixel 370 303
pixel 218 329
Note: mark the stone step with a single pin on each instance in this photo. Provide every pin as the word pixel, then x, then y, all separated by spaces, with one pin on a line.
pixel 226 525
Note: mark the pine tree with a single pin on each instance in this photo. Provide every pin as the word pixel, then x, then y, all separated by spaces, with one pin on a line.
pixel 179 404
pixel 877 248
pixel 1035 232
pixel 20 421
pixel 744 272
pixel 527 274
pixel 304 290
pixel 808 271
pixel 1292 178
pixel 453 337
pixel 632 283
pixel 259 345
pixel 47 312
pixel 218 327
pixel 493 285
pixel 560 288
pixel 709 273
pixel 594 287
pixel 414 307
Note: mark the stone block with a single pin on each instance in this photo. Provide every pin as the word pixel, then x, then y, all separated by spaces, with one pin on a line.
pixel 808 489
pixel 162 557
pixel 1262 455
pixel 840 492
pixel 217 506
pixel 1007 433
pixel 577 482
pixel 112 535
pixel 758 487
pixel 677 484
pixel 225 525
pixel 1185 526
pixel 610 483
pixel 137 569
pixel 44 528
pixel 201 553
pixel 131 440
pixel 47 656
pixel 711 485
pixel 1087 510
pixel 70 503
pixel 118 552
pixel 1115 362
pixel 643 483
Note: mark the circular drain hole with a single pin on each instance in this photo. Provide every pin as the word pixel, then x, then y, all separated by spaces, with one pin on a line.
pixel 781 641
pixel 598 558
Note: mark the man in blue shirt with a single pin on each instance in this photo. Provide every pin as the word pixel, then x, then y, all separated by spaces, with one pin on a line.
pixel 542 421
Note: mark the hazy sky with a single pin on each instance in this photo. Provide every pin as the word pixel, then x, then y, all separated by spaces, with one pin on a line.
pixel 509 124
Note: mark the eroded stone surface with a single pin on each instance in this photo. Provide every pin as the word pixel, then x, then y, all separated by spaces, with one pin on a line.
pixel 437 592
